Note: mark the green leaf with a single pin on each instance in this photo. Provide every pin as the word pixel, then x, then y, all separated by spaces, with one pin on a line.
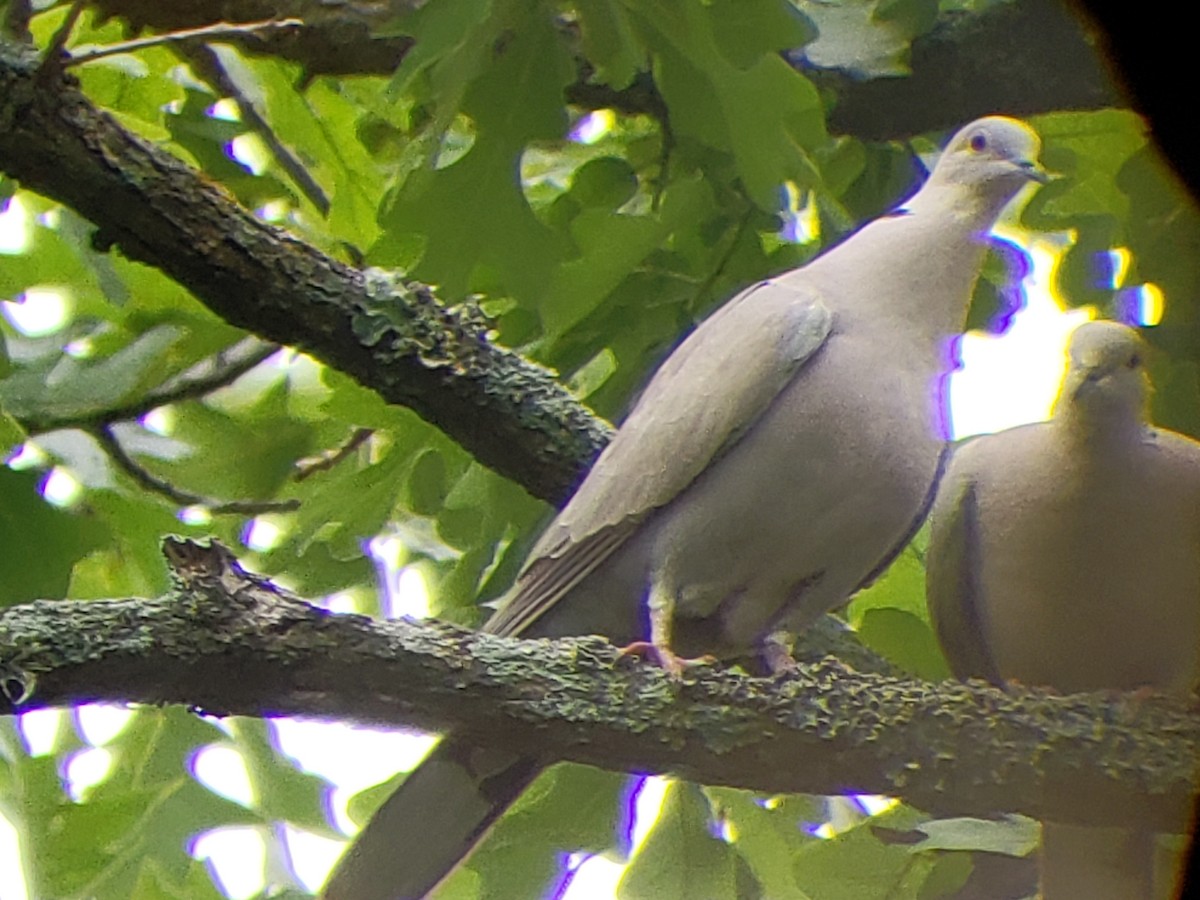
pixel 32 529
pixel 281 791
pixel 605 182
pixel 568 809
pixel 866 38
pixel 747 28
pixel 146 810
pixel 767 836
pixel 902 586
pixel 249 455
pixel 66 387
pixel 854 865
pixel 516 98
pixel 426 483
pixel 681 859
pixel 609 42
pixel 765 114
pixel 1013 835
pixel 1086 150
pixel 612 245
pixel 347 505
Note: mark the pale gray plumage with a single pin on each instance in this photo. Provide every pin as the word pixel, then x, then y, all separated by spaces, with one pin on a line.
pixel 1067 554
pixel 776 462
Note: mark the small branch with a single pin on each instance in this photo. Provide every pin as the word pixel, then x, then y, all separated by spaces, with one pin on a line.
pixel 216 31
pixel 306 468
pixel 55 55
pixel 209 66
pixel 108 441
pixel 231 642
pixel 219 370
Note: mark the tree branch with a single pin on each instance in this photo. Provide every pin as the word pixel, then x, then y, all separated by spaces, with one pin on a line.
pixel 230 642
pixel 219 370
pixel 394 337
pixel 108 442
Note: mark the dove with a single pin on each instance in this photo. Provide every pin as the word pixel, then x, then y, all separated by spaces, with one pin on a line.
pixel 1066 554
pixel 776 462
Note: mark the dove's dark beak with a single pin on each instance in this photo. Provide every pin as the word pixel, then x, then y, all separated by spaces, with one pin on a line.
pixel 1035 172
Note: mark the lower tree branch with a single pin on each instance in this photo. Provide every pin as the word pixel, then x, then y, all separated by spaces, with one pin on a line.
pixel 229 642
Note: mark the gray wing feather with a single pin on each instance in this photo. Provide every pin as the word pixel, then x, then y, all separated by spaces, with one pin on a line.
pixel 952 581
pixel 700 402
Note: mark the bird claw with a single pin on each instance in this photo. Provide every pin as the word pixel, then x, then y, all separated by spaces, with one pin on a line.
pixel 665 657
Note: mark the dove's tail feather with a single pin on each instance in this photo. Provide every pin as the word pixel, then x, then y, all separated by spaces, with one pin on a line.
pixel 430 823
pixel 1100 864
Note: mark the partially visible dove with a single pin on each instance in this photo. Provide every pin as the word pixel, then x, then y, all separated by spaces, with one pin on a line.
pixel 777 461
pixel 1067 554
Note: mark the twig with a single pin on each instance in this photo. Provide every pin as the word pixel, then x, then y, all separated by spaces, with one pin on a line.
pixel 208 32
pixel 54 59
pixel 103 433
pixel 218 371
pixel 329 458
pixel 202 379
pixel 213 70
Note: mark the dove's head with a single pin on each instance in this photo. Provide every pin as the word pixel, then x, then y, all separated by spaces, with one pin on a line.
pixel 1106 379
pixel 986 163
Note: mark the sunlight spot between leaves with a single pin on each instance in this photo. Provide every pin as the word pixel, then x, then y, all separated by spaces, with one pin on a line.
pixel 99 723
pixel 262 534
pixel 14 228
pixel 875 804
pixel 159 421
pixel 1012 378
pixel 1141 305
pixel 61 488
pixel 80 349
pixel 41 729
pixel 594 126
pixel 1120 258
pixel 312 856
pixel 38 311
pixel 225 110
pixel 248 150
pixel 273 211
pixel 12 875
pixel 647 807
pixel 352 756
pixel 236 857
pixel 409 596
pixel 1150 304
pixel 388 551
pixel 195 515
pixel 86 769
pixel 405 591
pixel 341 602
pixel 457 141
pixel 801 221
pixel 28 456
pixel 221 769
pixel 596 877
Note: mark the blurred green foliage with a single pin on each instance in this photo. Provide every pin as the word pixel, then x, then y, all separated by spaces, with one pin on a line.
pixel 596 238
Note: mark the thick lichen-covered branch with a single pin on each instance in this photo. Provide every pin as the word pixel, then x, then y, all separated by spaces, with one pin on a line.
pixel 393 336
pixel 229 642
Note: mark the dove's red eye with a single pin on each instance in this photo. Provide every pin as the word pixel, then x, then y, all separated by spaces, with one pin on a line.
pixel 978 142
